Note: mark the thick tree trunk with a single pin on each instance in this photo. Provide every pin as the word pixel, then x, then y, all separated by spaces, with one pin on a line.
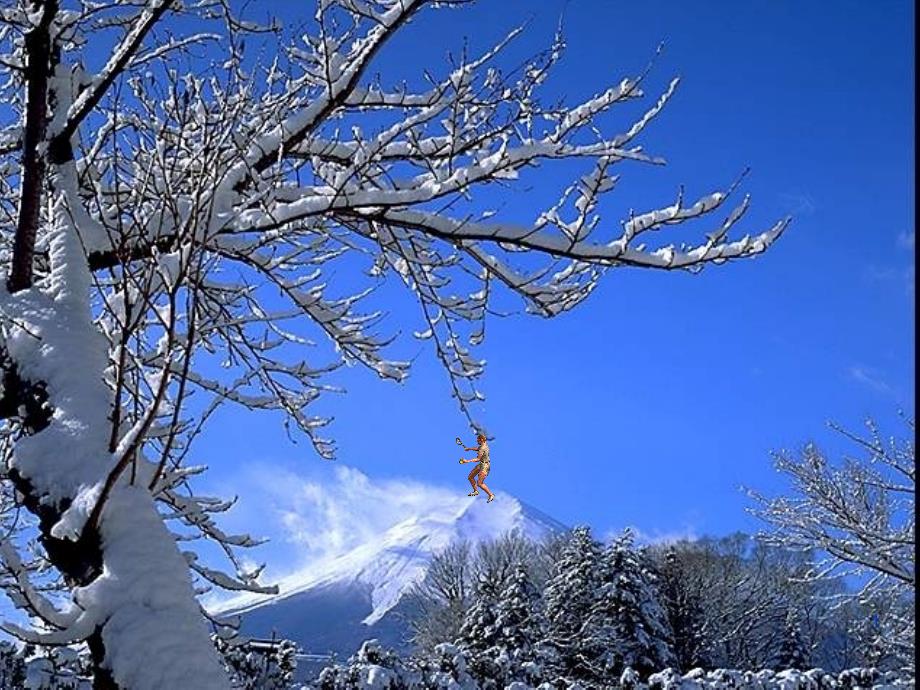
pixel 80 562
pixel 135 583
pixel 37 71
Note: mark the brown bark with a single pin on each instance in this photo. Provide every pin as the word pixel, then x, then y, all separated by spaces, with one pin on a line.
pixel 37 72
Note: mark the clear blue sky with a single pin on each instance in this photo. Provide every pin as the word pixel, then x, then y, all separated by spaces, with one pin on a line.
pixel 655 400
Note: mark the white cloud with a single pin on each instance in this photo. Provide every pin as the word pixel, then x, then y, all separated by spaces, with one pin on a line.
pixel 658 536
pixel 333 509
pixel 870 378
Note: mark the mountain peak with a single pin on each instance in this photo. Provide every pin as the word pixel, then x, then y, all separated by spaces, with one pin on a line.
pixel 389 565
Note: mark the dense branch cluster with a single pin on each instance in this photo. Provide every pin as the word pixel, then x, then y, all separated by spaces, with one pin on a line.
pixel 859 515
pixel 175 225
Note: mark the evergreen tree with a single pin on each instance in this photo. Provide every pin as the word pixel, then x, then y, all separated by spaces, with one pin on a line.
pixel 12 666
pixel 258 664
pixel 504 633
pixel 42 668
pixel 372 666
pixel 445 668
pixel 630 627
pixel 479 633
pixel 793 652
pixel 569 600
pixel 517 615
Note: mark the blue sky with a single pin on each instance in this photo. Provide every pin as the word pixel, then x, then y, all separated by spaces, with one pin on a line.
pixel 654 401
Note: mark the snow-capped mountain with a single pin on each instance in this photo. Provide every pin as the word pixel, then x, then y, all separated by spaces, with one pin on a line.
pixel 335 604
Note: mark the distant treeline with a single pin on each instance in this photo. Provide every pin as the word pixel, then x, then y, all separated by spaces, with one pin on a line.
pixel 731 602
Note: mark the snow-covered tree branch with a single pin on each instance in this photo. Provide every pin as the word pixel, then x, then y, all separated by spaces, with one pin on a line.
pixel 859 515
pixel 177 225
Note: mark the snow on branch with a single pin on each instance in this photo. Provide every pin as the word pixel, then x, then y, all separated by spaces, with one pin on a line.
pixel 201 232
pixel 858 512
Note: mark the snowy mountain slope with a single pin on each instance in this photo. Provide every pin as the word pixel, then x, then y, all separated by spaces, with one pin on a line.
pixel 330 605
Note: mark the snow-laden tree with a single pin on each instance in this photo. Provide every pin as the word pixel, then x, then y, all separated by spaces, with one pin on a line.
pixel 178 220
pixel 630 620
pixel 259 664
pixel 793 651
pixel 604 612
pixel 445 668
pixel 519 651
pixel 439 603
pixel 480 632
pixel 12 666
pixel 858 514
pixel 371 667
pixel 518 620
pixel 502 631
pixel 569 600
pixel 27 668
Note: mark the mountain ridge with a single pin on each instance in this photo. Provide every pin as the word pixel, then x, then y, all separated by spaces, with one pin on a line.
pixel 335 603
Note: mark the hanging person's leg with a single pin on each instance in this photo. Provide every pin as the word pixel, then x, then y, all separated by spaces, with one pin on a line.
pixel 472 481
pixel 481 482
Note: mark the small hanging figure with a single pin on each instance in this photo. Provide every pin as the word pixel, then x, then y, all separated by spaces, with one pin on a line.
pixel 481 471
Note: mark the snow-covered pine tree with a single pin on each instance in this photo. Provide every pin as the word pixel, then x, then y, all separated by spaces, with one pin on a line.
pixel 31 668
pixel 479 633
pixel 793 652
pixel 12 666
pixel 518 617
pixel 258 664
pixel 445 668
pixel 569 600
pixel 630 627
pixel 372 667
pixel 508 648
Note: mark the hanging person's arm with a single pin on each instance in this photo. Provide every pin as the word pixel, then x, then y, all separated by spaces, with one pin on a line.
pixel 474 449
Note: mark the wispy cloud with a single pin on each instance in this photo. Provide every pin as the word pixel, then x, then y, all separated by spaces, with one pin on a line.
pixel 657 536
pixel 871 379
pixel 332 517
pixel 313 517
pixel 905 277
pixel 896 274
pixel 327 511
